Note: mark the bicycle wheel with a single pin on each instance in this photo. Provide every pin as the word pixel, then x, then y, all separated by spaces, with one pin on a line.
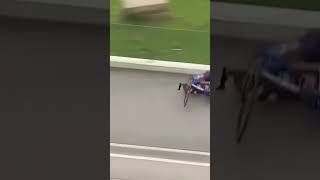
pixel 248 97
pixel 186 89
pixel 248 82
pixel 186 98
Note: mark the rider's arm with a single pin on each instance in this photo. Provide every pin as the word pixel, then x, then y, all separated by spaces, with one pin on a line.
pixel 205 82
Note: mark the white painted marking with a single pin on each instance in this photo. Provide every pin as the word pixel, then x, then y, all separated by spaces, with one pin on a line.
pixel 160 149
pixel 159 160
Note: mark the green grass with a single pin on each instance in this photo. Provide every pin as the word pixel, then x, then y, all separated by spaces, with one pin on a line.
pixel 313 5
pixel 184 36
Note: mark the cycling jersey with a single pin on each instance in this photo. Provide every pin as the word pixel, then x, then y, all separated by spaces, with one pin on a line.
pixel 197 78
pixel 196 83
pixel 272 60
pixel 309 46
pixel 207 90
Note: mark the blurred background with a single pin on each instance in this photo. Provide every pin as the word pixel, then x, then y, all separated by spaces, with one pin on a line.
pixel 173 30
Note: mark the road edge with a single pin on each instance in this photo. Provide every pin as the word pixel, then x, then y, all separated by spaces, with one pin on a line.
pixel 243 13
pixel 261 23
pixel 157 65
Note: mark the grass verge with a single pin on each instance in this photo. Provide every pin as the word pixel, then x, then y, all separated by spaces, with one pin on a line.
pixel 183 35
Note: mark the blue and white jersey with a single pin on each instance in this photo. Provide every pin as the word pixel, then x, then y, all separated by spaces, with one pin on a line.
pixel 196 83
pixel 272 59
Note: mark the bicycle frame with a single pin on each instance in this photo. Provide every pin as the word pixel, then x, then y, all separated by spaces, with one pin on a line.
pixel 253 80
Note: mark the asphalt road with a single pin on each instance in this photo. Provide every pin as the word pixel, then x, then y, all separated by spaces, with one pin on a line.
pixel 146 109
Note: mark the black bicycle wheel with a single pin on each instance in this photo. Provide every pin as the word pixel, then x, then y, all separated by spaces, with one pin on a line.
pixel 248 82
pixel 187 87
pixel 248 97
pixel 243 118
pixel 186 98
pixel 247 85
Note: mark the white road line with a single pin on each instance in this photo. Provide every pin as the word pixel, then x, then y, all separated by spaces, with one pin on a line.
pixel 155 27
pixel 159 149
pixel 159 160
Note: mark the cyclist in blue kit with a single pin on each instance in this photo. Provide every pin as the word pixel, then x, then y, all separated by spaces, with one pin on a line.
pixel 301 56
pixel 201 84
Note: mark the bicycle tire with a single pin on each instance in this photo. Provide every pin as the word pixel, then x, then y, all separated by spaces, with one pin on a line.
pixel 243 118
pixel 186 98
pixel 250 86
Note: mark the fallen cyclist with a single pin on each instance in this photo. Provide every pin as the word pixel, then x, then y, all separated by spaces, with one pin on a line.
pixel 300 56
pixel 201 84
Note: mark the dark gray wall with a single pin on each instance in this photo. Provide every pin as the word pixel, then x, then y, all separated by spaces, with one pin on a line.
pixel 79 3
pixel 68 11
pixel 53 98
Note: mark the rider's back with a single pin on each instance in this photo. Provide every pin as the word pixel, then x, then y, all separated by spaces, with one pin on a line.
pixel 272 60
pixel 198 78
pixel 308 47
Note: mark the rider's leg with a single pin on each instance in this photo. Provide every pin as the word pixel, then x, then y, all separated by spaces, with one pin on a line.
pixel 197 87
pixel 311 98
pixel 192 91
pixel 266 91
pixel 207 90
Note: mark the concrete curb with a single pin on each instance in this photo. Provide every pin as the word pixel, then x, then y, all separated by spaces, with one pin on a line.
pixel 260 22
pixel 71 12
pixel 157 65
pixel 264 15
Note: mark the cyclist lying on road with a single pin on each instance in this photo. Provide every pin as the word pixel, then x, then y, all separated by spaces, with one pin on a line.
pixel 201 84
pixel 300 56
